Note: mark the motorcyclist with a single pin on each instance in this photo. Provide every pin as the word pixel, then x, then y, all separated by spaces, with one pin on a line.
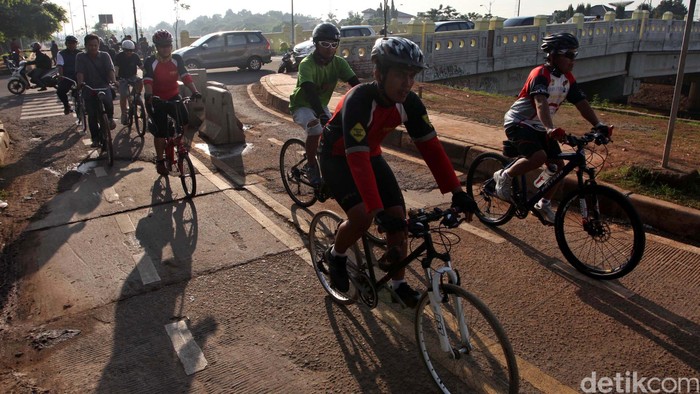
pixel 42 64
pixel 66 68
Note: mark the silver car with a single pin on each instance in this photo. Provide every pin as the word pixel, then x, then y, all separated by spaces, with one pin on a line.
pixel 243 49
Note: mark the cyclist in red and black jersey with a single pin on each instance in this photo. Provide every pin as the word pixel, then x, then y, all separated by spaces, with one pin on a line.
pixel 352 165
pixel 162 71
pixel 529 122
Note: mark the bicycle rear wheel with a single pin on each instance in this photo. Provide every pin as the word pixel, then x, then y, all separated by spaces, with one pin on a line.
pixel 606 241
pixel 482 188
pixel 107 140
pixel 187 175
pixel 481 358
pixel 139 117
pixel 321 236
pixel 292 162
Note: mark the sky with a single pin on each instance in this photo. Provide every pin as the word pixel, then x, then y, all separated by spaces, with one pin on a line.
pixel 151 12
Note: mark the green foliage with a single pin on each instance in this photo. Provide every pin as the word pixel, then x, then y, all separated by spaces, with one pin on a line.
pixel 441 14
pixel 354 18
pixel 651 183
pixel 676 6
pixel 596 101
pixel 36 19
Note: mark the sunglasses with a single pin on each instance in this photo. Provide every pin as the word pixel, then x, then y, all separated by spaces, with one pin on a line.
pixel 570 55
pixel 329 44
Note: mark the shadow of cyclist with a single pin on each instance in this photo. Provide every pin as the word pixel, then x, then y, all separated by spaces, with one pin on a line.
pixel 142 353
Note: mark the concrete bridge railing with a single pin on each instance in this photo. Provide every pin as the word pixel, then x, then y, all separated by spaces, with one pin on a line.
pixel 497 59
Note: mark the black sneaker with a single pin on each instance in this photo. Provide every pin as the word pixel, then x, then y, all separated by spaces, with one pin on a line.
pixel 408 296
pixel 338 271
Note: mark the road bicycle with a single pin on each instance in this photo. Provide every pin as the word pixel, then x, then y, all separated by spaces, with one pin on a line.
pixel 460 341
pixel 294 173
pixel 596 227
pixel 103 122
pixel 78 104
pixel 177 154
pixel 136 115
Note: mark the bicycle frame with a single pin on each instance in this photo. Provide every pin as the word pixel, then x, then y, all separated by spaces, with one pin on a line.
pixel 427 247
pixel 575 161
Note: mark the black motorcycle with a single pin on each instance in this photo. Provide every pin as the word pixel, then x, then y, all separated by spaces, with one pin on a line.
pixel 289 63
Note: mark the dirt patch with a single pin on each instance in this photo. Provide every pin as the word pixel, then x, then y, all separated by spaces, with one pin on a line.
pixel 637 139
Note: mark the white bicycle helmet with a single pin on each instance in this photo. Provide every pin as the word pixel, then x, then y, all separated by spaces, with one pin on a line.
pixel 128 45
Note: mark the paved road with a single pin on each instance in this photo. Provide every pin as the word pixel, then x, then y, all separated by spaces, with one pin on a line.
pixel 225 279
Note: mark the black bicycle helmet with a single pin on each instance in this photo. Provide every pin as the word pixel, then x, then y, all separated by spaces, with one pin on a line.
pixel 325 32
pixel 397 51
pixel 71 39
pixel 559 42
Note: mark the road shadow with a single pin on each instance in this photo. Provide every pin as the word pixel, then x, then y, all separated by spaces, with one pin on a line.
pixel 672 332
pixel 142 349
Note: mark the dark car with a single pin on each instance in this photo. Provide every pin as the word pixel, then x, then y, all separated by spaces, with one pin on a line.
pixel 453 25
pixel 243 49
pixel 519 21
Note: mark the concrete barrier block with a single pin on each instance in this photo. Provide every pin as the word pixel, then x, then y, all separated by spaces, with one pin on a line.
pixel 4 144
pixel 220 126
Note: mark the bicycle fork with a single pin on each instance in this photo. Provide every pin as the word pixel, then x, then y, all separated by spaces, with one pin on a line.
pixel 435 303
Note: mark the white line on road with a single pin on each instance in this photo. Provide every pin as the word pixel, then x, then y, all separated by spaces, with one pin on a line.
pixel 146 269
pixel 189 353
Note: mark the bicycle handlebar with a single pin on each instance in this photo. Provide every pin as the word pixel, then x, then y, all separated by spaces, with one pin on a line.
pixel 418 219
pixel 598 137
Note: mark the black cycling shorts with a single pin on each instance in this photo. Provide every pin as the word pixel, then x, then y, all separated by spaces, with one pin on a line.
pixel 337 175
pixel 528 141
pixel 159 119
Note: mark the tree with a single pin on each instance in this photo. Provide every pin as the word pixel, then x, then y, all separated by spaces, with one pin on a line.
pixel 678 9
pixel 440 14
pixel 354 18
pixel 37 19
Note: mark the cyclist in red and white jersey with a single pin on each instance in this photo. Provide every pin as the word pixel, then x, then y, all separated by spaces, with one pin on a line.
pixel 162 71
pixel 529 121
pixel 352 165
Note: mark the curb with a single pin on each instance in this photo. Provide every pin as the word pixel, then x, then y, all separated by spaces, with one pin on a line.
pixel 657 214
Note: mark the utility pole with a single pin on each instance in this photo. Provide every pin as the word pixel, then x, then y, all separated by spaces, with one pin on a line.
pixel 292 23
pixel 136 26
pixel 679 84
pixel 84 18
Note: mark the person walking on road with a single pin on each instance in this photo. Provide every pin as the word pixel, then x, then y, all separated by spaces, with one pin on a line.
pixel 318 74
pixel 65 63
pixel 95 68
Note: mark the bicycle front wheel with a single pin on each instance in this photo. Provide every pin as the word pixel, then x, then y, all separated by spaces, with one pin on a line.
pixel 292 163
pixel 480 357
pixel 107 140
pixel 322 231
pixel 481 187
pixel 80 113
pixel 139 118
pixel 187 176
pixel 599 232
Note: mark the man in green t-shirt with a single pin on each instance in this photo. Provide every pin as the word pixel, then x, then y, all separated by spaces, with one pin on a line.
pixel 318 75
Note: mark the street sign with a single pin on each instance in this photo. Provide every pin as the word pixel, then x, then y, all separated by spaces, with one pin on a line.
pixel 105 19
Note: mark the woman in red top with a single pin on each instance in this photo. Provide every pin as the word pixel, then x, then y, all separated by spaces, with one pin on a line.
pixel 162 71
